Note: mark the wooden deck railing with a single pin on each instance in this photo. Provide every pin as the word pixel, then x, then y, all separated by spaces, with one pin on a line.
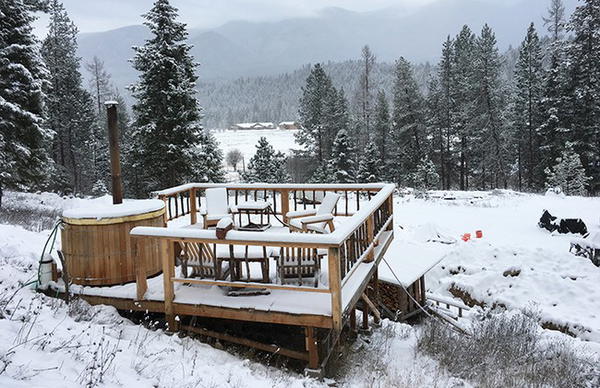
pixel 186 199
pixel 351 244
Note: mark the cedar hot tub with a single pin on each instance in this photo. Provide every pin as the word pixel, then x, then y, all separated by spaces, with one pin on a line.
pixel 96 245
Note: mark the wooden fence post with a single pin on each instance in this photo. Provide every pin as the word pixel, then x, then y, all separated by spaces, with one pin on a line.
pixel 335 287
pixel 370 237
pixel 285 203
pixel 167 254
pixel 141 282
pixel 193 207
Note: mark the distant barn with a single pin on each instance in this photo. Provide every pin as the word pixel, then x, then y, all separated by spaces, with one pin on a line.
pixel 247 126
pixel 289 125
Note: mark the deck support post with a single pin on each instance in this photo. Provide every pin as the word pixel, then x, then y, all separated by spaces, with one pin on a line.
pixel 335 287
pixel 423 297
pixel 193 207
pixel 167 254
pixel 312 348
pixel 370 238
pixel 353 320
pixel 365 318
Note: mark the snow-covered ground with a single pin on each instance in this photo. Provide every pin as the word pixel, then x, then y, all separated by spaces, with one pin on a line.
pixel 245 141
pixel 43 342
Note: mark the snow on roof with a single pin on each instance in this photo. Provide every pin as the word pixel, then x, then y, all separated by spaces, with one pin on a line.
pixel 111 102
pixel 288 123
pixel 128 208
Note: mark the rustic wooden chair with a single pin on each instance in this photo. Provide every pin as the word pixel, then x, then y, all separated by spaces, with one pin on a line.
pixel 202 260
pixel 299 264
pixel 216 207
pixel 238 255
pixel 315 220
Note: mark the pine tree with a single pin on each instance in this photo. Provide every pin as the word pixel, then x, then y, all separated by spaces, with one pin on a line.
pixel 209 157
pixel 167 116
pixel 527 109
pixel 365 94
pixel 568 173
pixel 554 129
pixel 267 165
pixel 491 152
pixel 70 107
pixel 334 118
pixel 342 161
pixel 369 167
pixel 381 128
pixel 584 86
pixel 101 91
pixel 426 177
pixel 24 157
pixel 408 124
pixel 441 111
pixel 317 90
pixel 464 99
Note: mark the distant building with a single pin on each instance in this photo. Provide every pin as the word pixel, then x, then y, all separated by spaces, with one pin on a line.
pixel 246 126
pixel 289 125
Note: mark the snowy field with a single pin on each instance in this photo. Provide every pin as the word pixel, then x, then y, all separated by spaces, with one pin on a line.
pixel 245 141
pixel 517 266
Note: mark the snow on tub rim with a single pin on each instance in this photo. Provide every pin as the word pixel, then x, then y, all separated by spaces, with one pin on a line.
pixel 129 210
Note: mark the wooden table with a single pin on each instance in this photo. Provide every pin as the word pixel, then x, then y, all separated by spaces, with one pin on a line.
pixel 250 208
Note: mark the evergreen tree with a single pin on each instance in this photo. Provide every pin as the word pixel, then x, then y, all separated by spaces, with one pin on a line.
pixel 441 111
pixel 324 173
pixel 167 132
pixel 527 115
pixel 209 157
pixel 267 165
pixel 365 94
pixel 426 177
pixel 408 124
pixel 369 167
pixel 334 118
pixel 24 157
pixel 70 107
pixel 101 91
pixel 342 161
pixel 381 128
pixel 463 98
pixel 568 173
pixel 554 129
pixel 317 90
pixel 584 86
pixel 491 152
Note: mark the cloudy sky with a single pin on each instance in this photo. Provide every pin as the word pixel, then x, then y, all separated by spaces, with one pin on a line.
pixel 101 15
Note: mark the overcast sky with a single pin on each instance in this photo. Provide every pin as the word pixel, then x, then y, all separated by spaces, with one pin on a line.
pixel 102 15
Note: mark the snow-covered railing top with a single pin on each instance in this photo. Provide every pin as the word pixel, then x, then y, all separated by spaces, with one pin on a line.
pixel 342 232
pixel 274 186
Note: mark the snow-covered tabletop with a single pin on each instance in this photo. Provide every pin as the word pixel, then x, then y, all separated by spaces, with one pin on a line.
pixel 253 205
pixel 130 207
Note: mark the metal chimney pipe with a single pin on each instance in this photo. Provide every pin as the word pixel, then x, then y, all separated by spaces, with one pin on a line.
pixel 115 152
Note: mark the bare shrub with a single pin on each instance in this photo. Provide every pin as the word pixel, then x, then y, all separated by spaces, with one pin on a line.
pixel 18 209
pixel 507 349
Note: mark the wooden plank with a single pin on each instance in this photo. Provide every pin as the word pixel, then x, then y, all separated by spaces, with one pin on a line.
pixel 268 286
pixel 370 237
pixel 285 204
pixel 141 282
pixel 372 307
pixel 250 343
pixel 335 287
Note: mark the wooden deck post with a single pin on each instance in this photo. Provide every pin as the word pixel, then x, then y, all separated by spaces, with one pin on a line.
pixel 167 254
pixel 335 287
pixel 193 207
pixel 312 348
pixel 365 317
pixel 141 283
pixel 353 320
pixel 285 203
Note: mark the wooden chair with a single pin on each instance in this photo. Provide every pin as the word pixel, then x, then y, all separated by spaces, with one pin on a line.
pixel 216 207
pixel 202 260
pixel 315 220
pixel 299 264
pixel 238 255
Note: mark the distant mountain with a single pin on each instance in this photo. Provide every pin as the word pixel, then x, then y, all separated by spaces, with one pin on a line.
pixel 242 48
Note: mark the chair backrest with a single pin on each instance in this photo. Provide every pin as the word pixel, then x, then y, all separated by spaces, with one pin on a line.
pixel 216 201
pixel 328 203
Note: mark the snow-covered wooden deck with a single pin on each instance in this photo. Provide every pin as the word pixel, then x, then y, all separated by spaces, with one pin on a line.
pixel 350 257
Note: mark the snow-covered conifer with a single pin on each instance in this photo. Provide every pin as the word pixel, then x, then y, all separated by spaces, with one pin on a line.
pixel 267 165
pixel 568 173
pixel 342 158
pixel 369 167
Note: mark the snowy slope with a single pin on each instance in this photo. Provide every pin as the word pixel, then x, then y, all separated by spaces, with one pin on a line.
pixel 563 287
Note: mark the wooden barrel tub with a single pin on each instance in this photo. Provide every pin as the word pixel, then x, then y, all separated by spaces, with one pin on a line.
pixel 96 245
